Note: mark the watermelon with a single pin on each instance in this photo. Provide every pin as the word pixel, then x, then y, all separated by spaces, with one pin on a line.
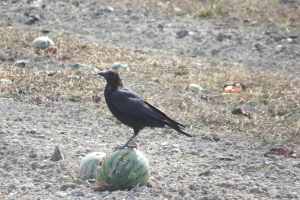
pixel 121 67
pixel 192 87
pixel 123 169
pixel 88 165
pixel 42 43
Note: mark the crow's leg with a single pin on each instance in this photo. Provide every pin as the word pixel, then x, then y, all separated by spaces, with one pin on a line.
pixel 136 132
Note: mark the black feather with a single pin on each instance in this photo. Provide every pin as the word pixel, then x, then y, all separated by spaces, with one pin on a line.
pixel 132 110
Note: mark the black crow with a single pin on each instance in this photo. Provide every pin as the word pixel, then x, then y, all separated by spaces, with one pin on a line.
pixel 132 110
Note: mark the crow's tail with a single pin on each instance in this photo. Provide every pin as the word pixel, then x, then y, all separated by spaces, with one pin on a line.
pixel 180 128
pixel 167 120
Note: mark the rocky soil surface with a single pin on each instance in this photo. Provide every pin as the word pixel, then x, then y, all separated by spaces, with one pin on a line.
pixel 221 165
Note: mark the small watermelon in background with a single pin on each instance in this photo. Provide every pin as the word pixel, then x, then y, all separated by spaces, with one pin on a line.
pixel 88 165
pixel 123 169
pixel 192 87
pixel 42 43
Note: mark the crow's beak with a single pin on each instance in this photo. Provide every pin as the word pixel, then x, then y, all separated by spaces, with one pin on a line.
pixel 102 73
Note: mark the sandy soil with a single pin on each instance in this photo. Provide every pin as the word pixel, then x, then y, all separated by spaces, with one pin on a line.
pixel 211 165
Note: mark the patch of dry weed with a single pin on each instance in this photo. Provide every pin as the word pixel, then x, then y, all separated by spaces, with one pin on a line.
pixel 285 15
pixel 159 80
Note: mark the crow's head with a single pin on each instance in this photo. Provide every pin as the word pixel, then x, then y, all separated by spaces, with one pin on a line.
pixel 112 77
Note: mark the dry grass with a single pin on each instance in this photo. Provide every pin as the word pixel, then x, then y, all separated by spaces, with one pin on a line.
pixel 287 16
pixel 268 11
pixel 277 116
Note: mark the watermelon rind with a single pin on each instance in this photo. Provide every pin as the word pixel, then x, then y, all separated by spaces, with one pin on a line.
pixel 88 165
pixel 192 87
pixel 123 169
pixel 42 43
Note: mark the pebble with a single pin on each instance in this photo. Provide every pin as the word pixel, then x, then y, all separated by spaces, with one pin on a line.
pixel 253 23
pixel 215 52
pixel 39 136
pixel 206 137
pixel 205 173
pixel 61 194
pixel 32 131
pixel 110 9
pixel 222 36
pixel 32 155
pixel 280 48
pixel 161 26
pixel 228 143
pixel 64 187
pixel 12 187
pixel 57 155
pixel 61 98
pixel 169 131
pixel 176 150
pixel 21 63
pixel 182 33
pixel 75 3
pixel 14 161
pixel 6 163
pixel 257 47
pixel 183 191
pixel 34 165
pixel 216 138
pixel 74 112
pixel 193 186
pixel 178 11
pixel 197 37
pixel 19 119
pixel 256 190
pixel 3 56
pixel 27 186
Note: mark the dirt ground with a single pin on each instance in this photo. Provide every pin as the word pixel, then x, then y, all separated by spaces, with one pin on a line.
pixel 166 46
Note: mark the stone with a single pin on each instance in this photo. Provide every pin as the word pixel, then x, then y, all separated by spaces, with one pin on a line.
pixel 57 155
pixel 64 187
pixel 182 33
pixel 48 185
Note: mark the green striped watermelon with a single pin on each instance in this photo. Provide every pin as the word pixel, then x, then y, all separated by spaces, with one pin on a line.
pixel 88 165
pixel 42 43
pixel 123 169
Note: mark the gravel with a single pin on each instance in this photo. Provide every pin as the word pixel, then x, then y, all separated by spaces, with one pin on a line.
pixel 222 165
pixel 207 166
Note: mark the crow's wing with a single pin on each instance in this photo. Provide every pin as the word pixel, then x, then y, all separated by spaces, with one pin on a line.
pixel 128 102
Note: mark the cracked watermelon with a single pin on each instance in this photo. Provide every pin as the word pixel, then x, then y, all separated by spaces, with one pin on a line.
pixel 123 169
pixel 88 165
